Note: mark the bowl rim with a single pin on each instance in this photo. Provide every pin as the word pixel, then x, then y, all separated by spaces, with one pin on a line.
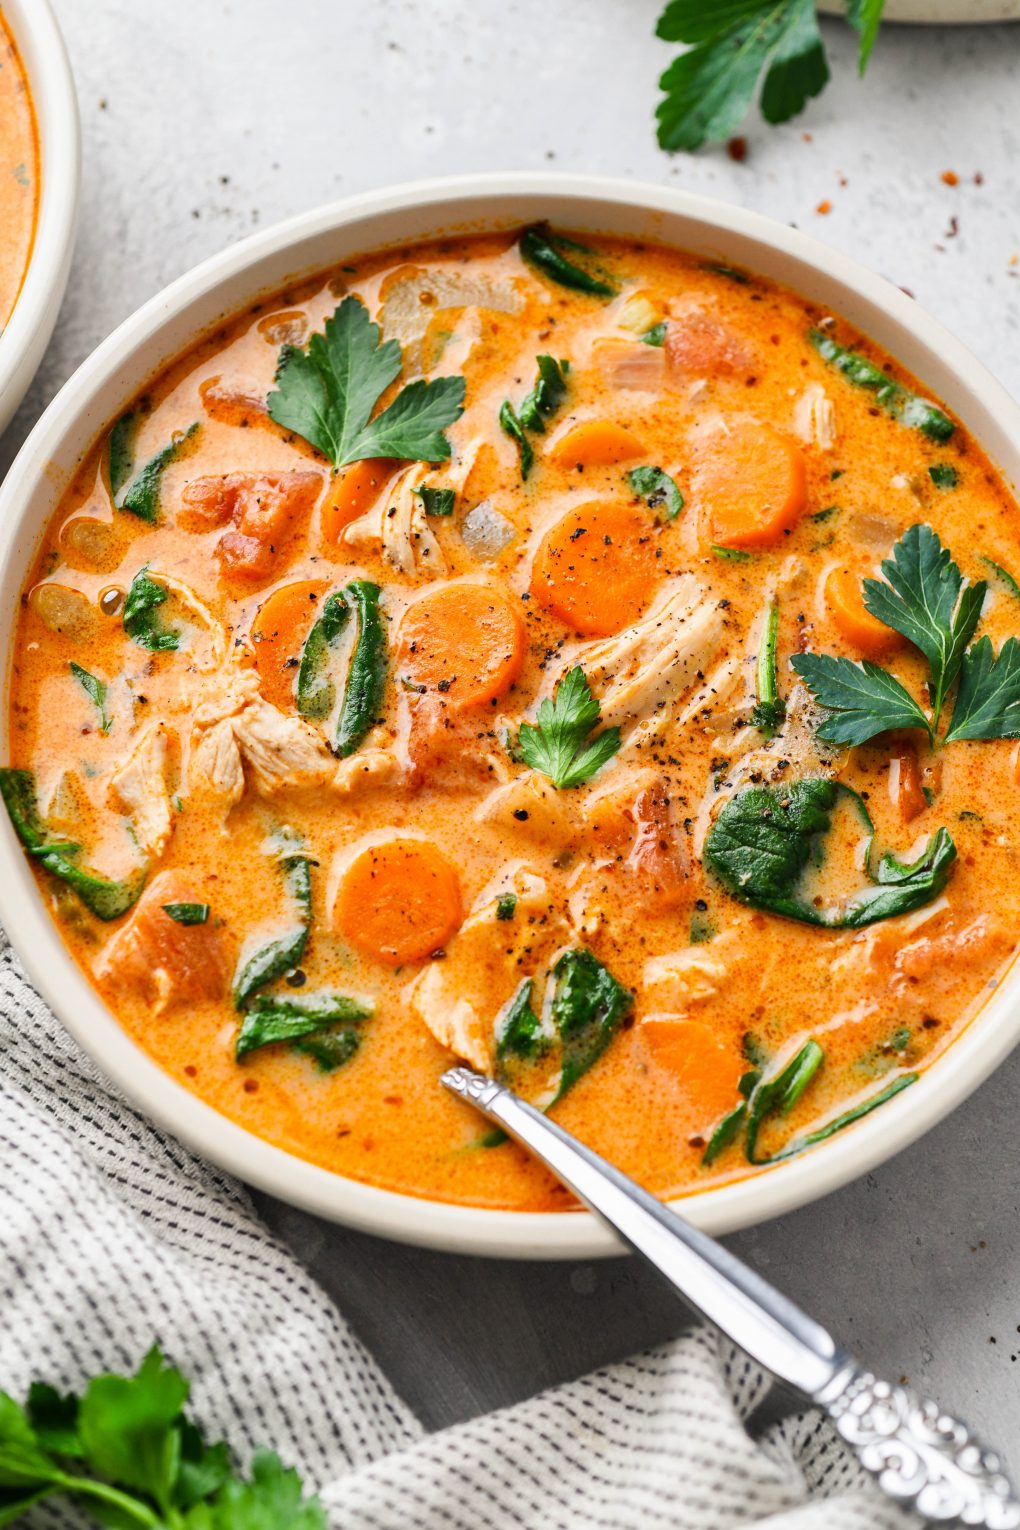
pixel 388 1213
pixel 33 25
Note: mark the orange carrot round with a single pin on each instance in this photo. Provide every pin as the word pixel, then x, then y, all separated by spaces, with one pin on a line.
pixel 596 568
pixel 467 639
pixel 596 443
pixel 751 483
pixel 844 597
pixel 706 1069
pixel 352 493
pixel 398 901
pixel 278 634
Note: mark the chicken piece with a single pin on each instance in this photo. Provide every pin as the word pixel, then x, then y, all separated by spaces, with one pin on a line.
pixel 630 365
pixel 530 806
pixel 281 751
pixel 399 528
pixel 681 979
pixel 814 418
pixel 368 770
pixel 263 508
pixel 139 788
pixel 639 672
pixel 216 764
pixel 167 962
pixel 460 999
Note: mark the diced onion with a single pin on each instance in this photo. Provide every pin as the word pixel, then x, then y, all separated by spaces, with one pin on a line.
pixel 485 532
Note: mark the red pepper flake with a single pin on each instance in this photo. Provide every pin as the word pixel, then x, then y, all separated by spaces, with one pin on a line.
pixel 950 178
pixel 824 208
pixel 979 179
pixel 737 149
pixel 808 137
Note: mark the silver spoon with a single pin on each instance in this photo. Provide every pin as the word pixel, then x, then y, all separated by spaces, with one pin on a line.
pixel 922 1458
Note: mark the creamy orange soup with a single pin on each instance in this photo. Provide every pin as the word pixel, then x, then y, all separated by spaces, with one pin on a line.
pixel 516 683
pixel 19 174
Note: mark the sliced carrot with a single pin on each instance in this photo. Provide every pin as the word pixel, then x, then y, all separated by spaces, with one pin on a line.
pixel 278 634
pixel 845 600
pixel 751 483
pixel 596 569
pixel 706 1069
pixel 595 443
pixel 398 901
pixel 352 493
pixel 466 641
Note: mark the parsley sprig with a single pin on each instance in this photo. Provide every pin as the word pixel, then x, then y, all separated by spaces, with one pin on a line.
pixel 923 596
pixel 734 44
pixel 327 393
pixel 126 1451
pixel 559 744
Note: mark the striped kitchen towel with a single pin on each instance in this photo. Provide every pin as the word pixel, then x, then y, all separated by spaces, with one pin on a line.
pixel 112 1236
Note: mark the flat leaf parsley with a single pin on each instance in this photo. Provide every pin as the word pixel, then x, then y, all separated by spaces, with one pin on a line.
pixel 327 393
pixel 127 1453
pixel 559 744
pixel 734 44
pixel 923 596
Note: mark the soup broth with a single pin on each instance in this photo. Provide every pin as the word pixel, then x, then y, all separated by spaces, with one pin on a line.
pixel 352 734
pixel 19 174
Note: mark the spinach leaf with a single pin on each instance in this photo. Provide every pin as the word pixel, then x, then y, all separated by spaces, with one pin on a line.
pixel 907 407
pixel 436 501
pixel 510 424
pixel 770 711
pixel 323 1023
pixel 558 743
pixel 327 393
pixel 547 395
pixel 506 905
pixel 658 490
pixel 1004 576
pixel 544 250
pixel 187 913
pixel 102 897
pixel 140 496
pixel 95 690
pixel 366 674
pixel 943 475
pixel 656 335
pixel 141 622
pixel 284 952
pixel 585 1011
pixel 855 1113
pixel 778 1094
pixel 765 836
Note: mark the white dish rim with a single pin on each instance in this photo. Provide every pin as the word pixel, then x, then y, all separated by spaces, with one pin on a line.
pixel 33 25
pixel 137 349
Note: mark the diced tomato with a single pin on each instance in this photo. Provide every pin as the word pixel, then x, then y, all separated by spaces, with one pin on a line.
pixel 697 345
pixel 166 961
pixel 263 507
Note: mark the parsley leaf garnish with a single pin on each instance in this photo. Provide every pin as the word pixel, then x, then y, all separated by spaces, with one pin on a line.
pixel 558 745
pixel 734 45
pixel 128 1453
pixel 327 393
pixel 925 599
pixel 988 699
pixel 924 596
pixel 864 699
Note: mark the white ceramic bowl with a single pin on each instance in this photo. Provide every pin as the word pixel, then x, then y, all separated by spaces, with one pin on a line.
pixel 26 335
pixel 106 382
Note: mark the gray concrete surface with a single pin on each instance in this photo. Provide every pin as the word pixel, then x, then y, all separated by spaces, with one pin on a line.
pixel 207 118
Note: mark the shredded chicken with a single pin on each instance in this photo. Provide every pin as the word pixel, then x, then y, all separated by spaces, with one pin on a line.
pixel 691 976
pixel 637 673
pixel 530 806
pixel 369 768
pixel 139 789
pixel 234 727
pixel 814 417
pixel 398 526
pixel 460 999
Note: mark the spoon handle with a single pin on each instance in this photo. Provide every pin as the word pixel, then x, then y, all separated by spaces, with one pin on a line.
pixel 920 1456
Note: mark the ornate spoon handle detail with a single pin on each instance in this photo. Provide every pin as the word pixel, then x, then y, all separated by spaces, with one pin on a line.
pixel 922 1458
